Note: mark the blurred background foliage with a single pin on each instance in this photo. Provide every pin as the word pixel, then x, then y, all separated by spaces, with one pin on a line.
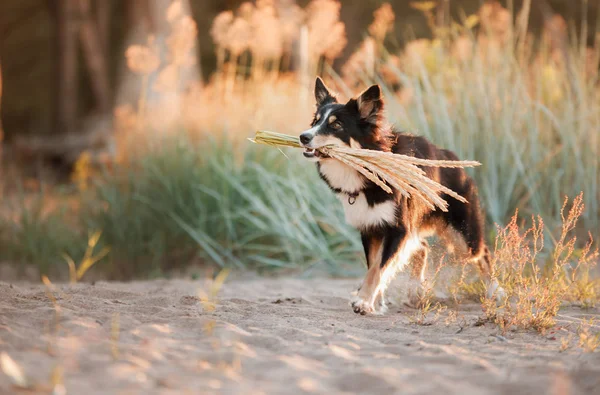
pixel 127 120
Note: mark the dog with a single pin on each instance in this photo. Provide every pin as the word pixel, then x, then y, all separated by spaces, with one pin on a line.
pixel 393 228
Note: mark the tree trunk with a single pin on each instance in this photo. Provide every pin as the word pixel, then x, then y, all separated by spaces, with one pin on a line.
pixel 66 69
pixel 1 130
pixel 103 11
pixel 94 56
pixel 2 175
pixel 139 14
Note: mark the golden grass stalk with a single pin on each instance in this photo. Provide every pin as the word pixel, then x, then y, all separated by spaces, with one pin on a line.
pixel 13 370
pixel 89 259
pixel 276 139
pixel 385 169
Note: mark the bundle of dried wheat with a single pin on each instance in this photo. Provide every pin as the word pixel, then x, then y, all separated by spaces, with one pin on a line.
pixel 386 169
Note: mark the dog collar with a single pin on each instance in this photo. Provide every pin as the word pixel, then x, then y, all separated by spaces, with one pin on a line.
pixel 351 196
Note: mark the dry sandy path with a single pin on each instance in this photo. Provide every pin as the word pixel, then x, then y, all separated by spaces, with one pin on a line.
pixel 271 336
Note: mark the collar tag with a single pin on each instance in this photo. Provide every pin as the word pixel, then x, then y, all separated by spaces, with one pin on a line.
pixel 352 198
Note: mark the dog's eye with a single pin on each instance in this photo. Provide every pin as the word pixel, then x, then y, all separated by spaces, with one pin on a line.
pixel 336 125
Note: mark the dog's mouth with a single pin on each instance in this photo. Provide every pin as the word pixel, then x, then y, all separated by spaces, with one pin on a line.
pixel 313 153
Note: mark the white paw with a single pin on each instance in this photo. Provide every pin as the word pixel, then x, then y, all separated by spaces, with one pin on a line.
pixel 363 307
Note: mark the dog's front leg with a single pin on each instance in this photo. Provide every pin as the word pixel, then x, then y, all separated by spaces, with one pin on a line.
pixel 381 253
pixel 372 244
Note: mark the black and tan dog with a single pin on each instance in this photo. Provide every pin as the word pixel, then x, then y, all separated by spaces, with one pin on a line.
pixel 393 228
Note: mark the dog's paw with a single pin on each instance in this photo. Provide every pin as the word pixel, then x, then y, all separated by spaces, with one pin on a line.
pixel 363 307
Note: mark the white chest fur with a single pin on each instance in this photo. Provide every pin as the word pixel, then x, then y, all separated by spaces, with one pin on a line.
pixel 341 176
pixel 361 216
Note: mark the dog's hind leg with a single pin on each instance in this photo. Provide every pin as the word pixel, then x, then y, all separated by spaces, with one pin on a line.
pixel 468 221
pixel 417 284
pixel 485 264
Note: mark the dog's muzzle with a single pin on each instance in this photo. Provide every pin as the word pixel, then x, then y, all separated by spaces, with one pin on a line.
pixel 309 152
pixel 305 139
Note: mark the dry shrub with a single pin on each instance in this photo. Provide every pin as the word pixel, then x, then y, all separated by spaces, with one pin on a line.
pixel 589 338
pixel 536 290
pixel 428 308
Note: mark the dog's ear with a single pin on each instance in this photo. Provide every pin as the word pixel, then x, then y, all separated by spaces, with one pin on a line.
pixel 322 94
pixel 370 103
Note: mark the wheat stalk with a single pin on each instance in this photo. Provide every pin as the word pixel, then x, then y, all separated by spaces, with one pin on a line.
pixel 385 169
pixel 276 139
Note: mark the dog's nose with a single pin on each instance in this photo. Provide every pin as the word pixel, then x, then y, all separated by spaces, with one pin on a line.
pixel 305 138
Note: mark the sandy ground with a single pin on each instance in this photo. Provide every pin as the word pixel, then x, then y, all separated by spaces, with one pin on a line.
pixel 271 336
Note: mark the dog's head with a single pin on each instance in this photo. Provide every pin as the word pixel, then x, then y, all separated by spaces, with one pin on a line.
pixel 356 124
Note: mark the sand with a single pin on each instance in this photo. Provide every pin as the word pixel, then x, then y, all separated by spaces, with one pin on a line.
pixel 273 336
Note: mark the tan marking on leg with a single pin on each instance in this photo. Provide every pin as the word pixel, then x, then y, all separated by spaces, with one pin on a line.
pixel 371 281
pixel 370 298
pixel 375 252
pixel 419 264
